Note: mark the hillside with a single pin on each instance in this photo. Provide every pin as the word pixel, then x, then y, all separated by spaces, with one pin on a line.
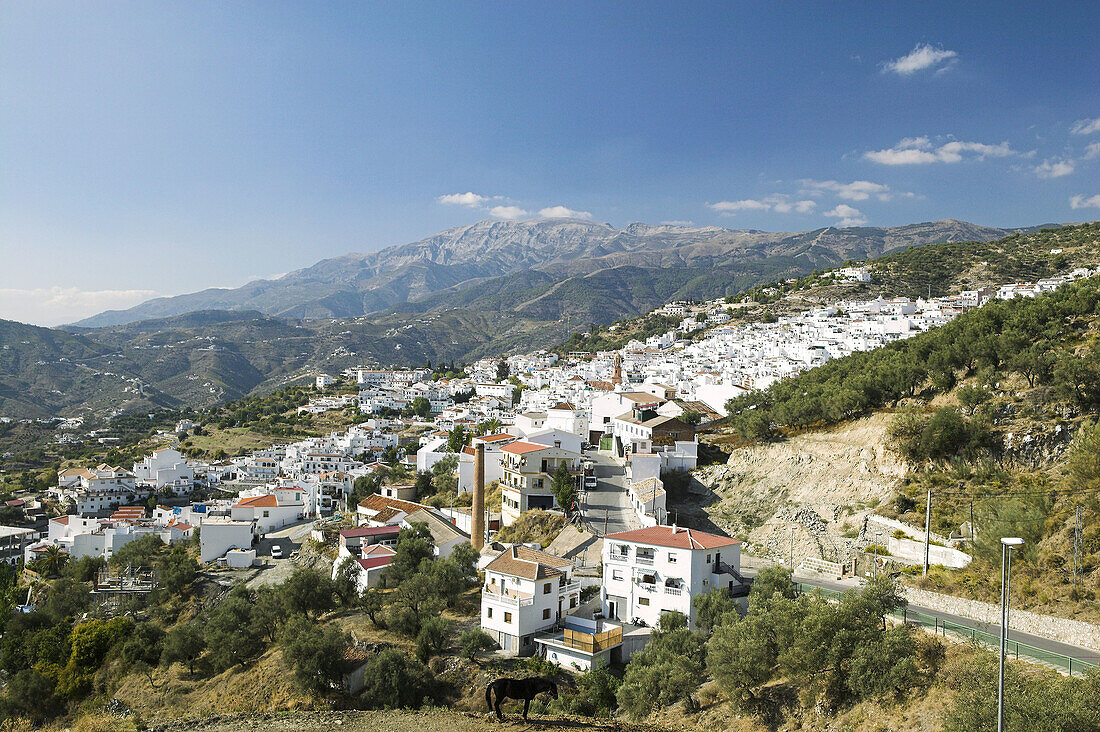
pixel 207 357
pixel 544 252
pixel 994 413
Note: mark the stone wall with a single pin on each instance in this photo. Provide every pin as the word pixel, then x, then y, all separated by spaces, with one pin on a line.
pixel 1073 632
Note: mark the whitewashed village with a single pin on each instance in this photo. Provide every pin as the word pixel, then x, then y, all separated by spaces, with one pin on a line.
pixel 605 430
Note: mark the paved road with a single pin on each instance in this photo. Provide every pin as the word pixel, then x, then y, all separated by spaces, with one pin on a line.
pixel 609 496
pixel 1046 644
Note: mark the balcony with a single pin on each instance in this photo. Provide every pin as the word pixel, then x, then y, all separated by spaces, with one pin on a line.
pixel 569 588
pixel 589 637
pixel 643 559
pixel 505 597
pixel 673 591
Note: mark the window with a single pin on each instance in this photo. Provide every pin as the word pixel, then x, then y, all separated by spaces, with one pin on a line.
pixel 507 617
pixel 616 574
pixel 672 557
pixel 643 601
pixel 267 514
pixel 546 589
pixel 708 559
pixel 573 600
pixel 488 612
pixel 546 613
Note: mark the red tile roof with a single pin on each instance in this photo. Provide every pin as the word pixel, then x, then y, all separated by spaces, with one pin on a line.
pixel 258 502
pixel 497 437
pixel 522 448
pixel 675 537
pixel 372 562
pixel 370 531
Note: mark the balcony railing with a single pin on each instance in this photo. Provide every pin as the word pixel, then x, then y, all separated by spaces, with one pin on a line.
pixel 506 598
pixel 569 587
pixel 641 559
pixel 673 591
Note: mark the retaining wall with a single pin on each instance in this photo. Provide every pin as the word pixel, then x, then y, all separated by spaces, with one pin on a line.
pixel 1073 632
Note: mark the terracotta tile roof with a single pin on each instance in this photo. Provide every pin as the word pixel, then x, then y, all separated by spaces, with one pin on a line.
pixel 497 437
pixel 378 550
pixel 378 502
pixel 522 447
pixel 522 561
pixel 640 397
pixel 675 537
pixel 258 502
pixel 63 520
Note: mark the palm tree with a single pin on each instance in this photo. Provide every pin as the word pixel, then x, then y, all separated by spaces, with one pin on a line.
pixel 51 561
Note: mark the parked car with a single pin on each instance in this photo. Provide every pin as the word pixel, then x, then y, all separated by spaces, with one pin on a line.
pixel 277 552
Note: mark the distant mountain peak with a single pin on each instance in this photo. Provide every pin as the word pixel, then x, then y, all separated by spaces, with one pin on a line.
pixel 464 256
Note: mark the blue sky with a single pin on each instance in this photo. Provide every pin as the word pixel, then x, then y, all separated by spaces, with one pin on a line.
pixel 158 148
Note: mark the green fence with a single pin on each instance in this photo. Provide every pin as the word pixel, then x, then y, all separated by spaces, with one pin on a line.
pixel 955 631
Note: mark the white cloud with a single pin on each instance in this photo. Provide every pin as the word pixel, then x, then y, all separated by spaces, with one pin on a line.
pixel 1085 126
pixel 1082 202
pixel 848 215
pixel 1054 168
pixel 561 212
pixel 56 305
pixel 857 190
pixel 921 151
pixel 507 212
pixel 730 207
pixel 923 56
pixel 1092 151
pixel 779 203
pixel 468 199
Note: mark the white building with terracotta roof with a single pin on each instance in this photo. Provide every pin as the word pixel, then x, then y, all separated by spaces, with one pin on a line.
pixel 651 570
pixel 528 476
pixel 526 591
pixel 270 511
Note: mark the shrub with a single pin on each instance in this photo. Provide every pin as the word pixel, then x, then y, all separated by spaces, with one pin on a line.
pixel 394 680
pixel 475 641
pixel 434 637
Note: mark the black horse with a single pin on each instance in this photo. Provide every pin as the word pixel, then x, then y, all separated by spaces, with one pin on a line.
pixel 524 689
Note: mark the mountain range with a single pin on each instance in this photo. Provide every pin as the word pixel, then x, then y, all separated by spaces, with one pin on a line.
pixel 456 266
pixel 481 290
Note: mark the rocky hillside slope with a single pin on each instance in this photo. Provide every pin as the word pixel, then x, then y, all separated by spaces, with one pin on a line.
pixel 820 484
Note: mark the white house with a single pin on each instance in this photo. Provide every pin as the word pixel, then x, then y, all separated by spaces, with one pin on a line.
pixel 528 475
pixel 525 591
pixel 323 381
pixel 648 571
pixel 166 467
pixel 219 534
pixel 270 511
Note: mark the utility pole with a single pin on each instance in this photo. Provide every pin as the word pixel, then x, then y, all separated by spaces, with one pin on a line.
pixel 792 549
pixel 927 529
pixel 1077 543
pixel 605 522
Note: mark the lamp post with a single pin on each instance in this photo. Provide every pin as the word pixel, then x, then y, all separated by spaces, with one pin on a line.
pixel 1008 543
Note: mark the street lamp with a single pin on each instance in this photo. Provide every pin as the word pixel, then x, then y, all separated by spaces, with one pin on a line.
pixel 1008 543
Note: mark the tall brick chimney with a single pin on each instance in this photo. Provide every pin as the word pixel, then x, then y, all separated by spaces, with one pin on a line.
pixel 477 510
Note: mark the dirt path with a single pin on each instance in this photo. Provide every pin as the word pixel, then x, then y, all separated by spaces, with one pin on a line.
pixel 436 720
